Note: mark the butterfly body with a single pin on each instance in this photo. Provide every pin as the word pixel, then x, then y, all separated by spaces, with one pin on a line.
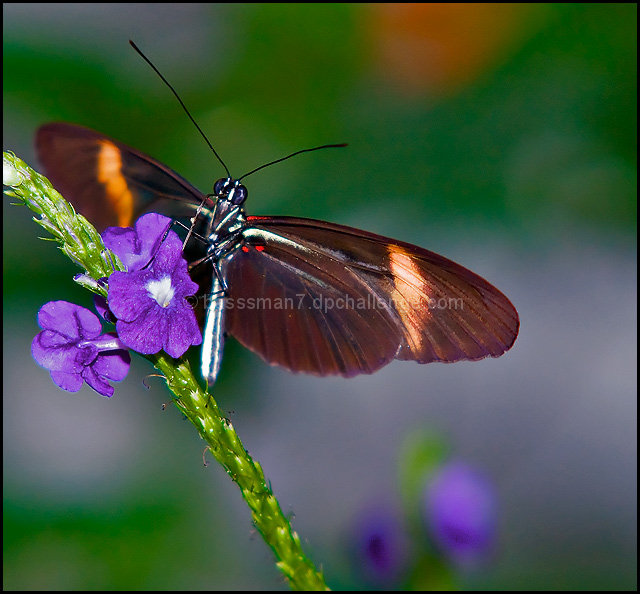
pixel 310 296
pixel 217 227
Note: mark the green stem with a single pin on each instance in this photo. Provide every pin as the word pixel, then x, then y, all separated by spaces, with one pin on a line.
pixel 225 445
pixel 83 244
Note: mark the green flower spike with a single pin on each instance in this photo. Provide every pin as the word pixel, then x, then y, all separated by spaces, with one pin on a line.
pixel 80 241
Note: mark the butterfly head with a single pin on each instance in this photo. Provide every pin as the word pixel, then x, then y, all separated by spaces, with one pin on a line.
pixel 231 190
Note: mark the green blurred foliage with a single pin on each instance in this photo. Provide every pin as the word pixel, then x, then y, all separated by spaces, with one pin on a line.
pixel 421 454
pixel 124 543
pixel 551 128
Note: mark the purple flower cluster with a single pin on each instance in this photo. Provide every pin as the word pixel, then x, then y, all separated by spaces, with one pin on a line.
pixel 380 545
pixel 149 304
pixel 461 512
pixel 150 299
pixel 72 347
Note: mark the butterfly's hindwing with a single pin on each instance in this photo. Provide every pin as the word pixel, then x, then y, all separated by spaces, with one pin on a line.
pixel 326 299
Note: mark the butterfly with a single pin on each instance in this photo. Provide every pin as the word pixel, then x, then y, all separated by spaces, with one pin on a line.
pixel 316 297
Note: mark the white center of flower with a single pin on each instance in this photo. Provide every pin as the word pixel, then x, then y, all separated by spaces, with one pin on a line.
pixel 161 290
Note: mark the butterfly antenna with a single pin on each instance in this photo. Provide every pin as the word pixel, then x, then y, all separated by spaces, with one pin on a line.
pixel 316 148
pixel 166 82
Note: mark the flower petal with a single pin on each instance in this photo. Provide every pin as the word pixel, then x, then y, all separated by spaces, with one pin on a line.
pixel 152 229
pixel 185 287
pixel 69 319
pixel 169 254
pixel 86 353
pixel 183 332
pixel 51 339
pixel 122 241
pixel 71 382
pixel 113 365
pixel 99 384
pixel 128 296
pixel 135 248
pixel 145 334
pixel 55 358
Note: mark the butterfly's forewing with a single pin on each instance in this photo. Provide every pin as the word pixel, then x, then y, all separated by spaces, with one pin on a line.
pixel 326 299
pixel 108 182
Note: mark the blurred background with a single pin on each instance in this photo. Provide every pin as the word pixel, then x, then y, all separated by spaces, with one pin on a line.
pixel 502 136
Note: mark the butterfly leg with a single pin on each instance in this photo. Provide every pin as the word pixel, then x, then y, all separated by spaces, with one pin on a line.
pixel 195 217
pixel 220 278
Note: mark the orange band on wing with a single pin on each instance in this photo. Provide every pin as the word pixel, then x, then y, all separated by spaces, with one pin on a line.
pixel 115 185
pixel 410 296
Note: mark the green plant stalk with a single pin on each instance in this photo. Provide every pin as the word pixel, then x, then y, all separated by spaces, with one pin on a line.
pixel 80 241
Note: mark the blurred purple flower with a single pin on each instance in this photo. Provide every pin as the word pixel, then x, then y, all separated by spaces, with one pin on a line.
pixel 380 545
pixel 136 247
pixel 461 511
pixel 72 348
pixel 149 301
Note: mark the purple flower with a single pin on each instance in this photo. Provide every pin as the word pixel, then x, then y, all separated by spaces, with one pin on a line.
pixel 72 348
pixel 380 545
pixel 102 307
pixel 136 247
pixel 461 511
pixel 149 301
